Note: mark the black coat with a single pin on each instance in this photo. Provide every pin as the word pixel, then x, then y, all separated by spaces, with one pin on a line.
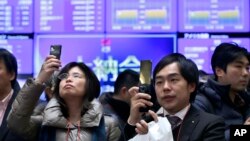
pixel 5 133
pixel 214 98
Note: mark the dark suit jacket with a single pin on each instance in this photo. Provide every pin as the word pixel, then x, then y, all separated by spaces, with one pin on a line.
pixel 196 126
pixel 5 133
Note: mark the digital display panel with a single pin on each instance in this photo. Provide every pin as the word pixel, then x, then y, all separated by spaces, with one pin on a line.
pixel 141 15
pixel 125 52
pixel 213 15
pixel 22 48
pixel 106 55
pixel 79 48
pixel 16 16
pixel 69 16
pixel 201 50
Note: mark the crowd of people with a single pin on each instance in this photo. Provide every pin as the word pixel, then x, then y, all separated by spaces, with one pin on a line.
pixel 197 105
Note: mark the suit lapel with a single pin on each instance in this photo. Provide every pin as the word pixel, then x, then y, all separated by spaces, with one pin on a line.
pixel 189 123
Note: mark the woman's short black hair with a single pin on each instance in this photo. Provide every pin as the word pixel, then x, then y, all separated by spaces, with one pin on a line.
pixel 92 86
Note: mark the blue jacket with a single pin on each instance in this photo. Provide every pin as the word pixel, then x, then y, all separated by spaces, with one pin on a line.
pixel 214 98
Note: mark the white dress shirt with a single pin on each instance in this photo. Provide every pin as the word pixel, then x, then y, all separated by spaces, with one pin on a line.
pixel 4 104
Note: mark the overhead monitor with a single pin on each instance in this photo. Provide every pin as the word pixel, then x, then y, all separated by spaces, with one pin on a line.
pixel 213 15
pixel 22 48
pixel 16 16
pixel 201 50
pixel 141 16
pixel 125 52
pixel 69 16
pixel 106 55
pixel 79 48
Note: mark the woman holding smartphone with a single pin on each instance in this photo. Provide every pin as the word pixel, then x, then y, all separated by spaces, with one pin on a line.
pixel 73 114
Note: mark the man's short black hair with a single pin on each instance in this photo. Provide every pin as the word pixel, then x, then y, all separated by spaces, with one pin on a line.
pixel 127 78
pixel 187 67
pixel 10 63
pixel 226 53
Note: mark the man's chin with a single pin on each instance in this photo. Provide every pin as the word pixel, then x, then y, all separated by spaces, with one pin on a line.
pixel 241 89
pixel 169 108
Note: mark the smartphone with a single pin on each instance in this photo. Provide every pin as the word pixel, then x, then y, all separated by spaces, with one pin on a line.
pixel 145 79
pixel 56 50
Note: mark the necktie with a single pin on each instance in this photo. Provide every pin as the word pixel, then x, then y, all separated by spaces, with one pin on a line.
pixel 175 125
pixel 174 121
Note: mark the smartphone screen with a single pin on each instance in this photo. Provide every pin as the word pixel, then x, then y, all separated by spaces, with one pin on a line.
pixel 145 79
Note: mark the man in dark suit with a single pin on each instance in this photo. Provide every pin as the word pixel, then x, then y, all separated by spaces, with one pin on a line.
pixel 9 88
pixel 175 79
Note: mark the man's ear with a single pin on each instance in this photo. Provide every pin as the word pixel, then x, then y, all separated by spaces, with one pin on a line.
pixel 123 90
pixel 12 76
pixel 219 72
pixel 192 87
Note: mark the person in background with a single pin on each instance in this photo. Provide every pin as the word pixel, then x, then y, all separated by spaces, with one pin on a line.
pixel 175 80
pixel 117 104
pixel 203 76
pixel 225 94
pixel 9 88
pixel 73 114
pixel 50 86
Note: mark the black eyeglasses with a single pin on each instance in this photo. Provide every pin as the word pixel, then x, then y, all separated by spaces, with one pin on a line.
pixel 66 76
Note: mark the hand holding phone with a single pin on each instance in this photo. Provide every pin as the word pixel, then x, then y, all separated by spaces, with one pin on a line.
pixel 56 50
pixel 145 79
